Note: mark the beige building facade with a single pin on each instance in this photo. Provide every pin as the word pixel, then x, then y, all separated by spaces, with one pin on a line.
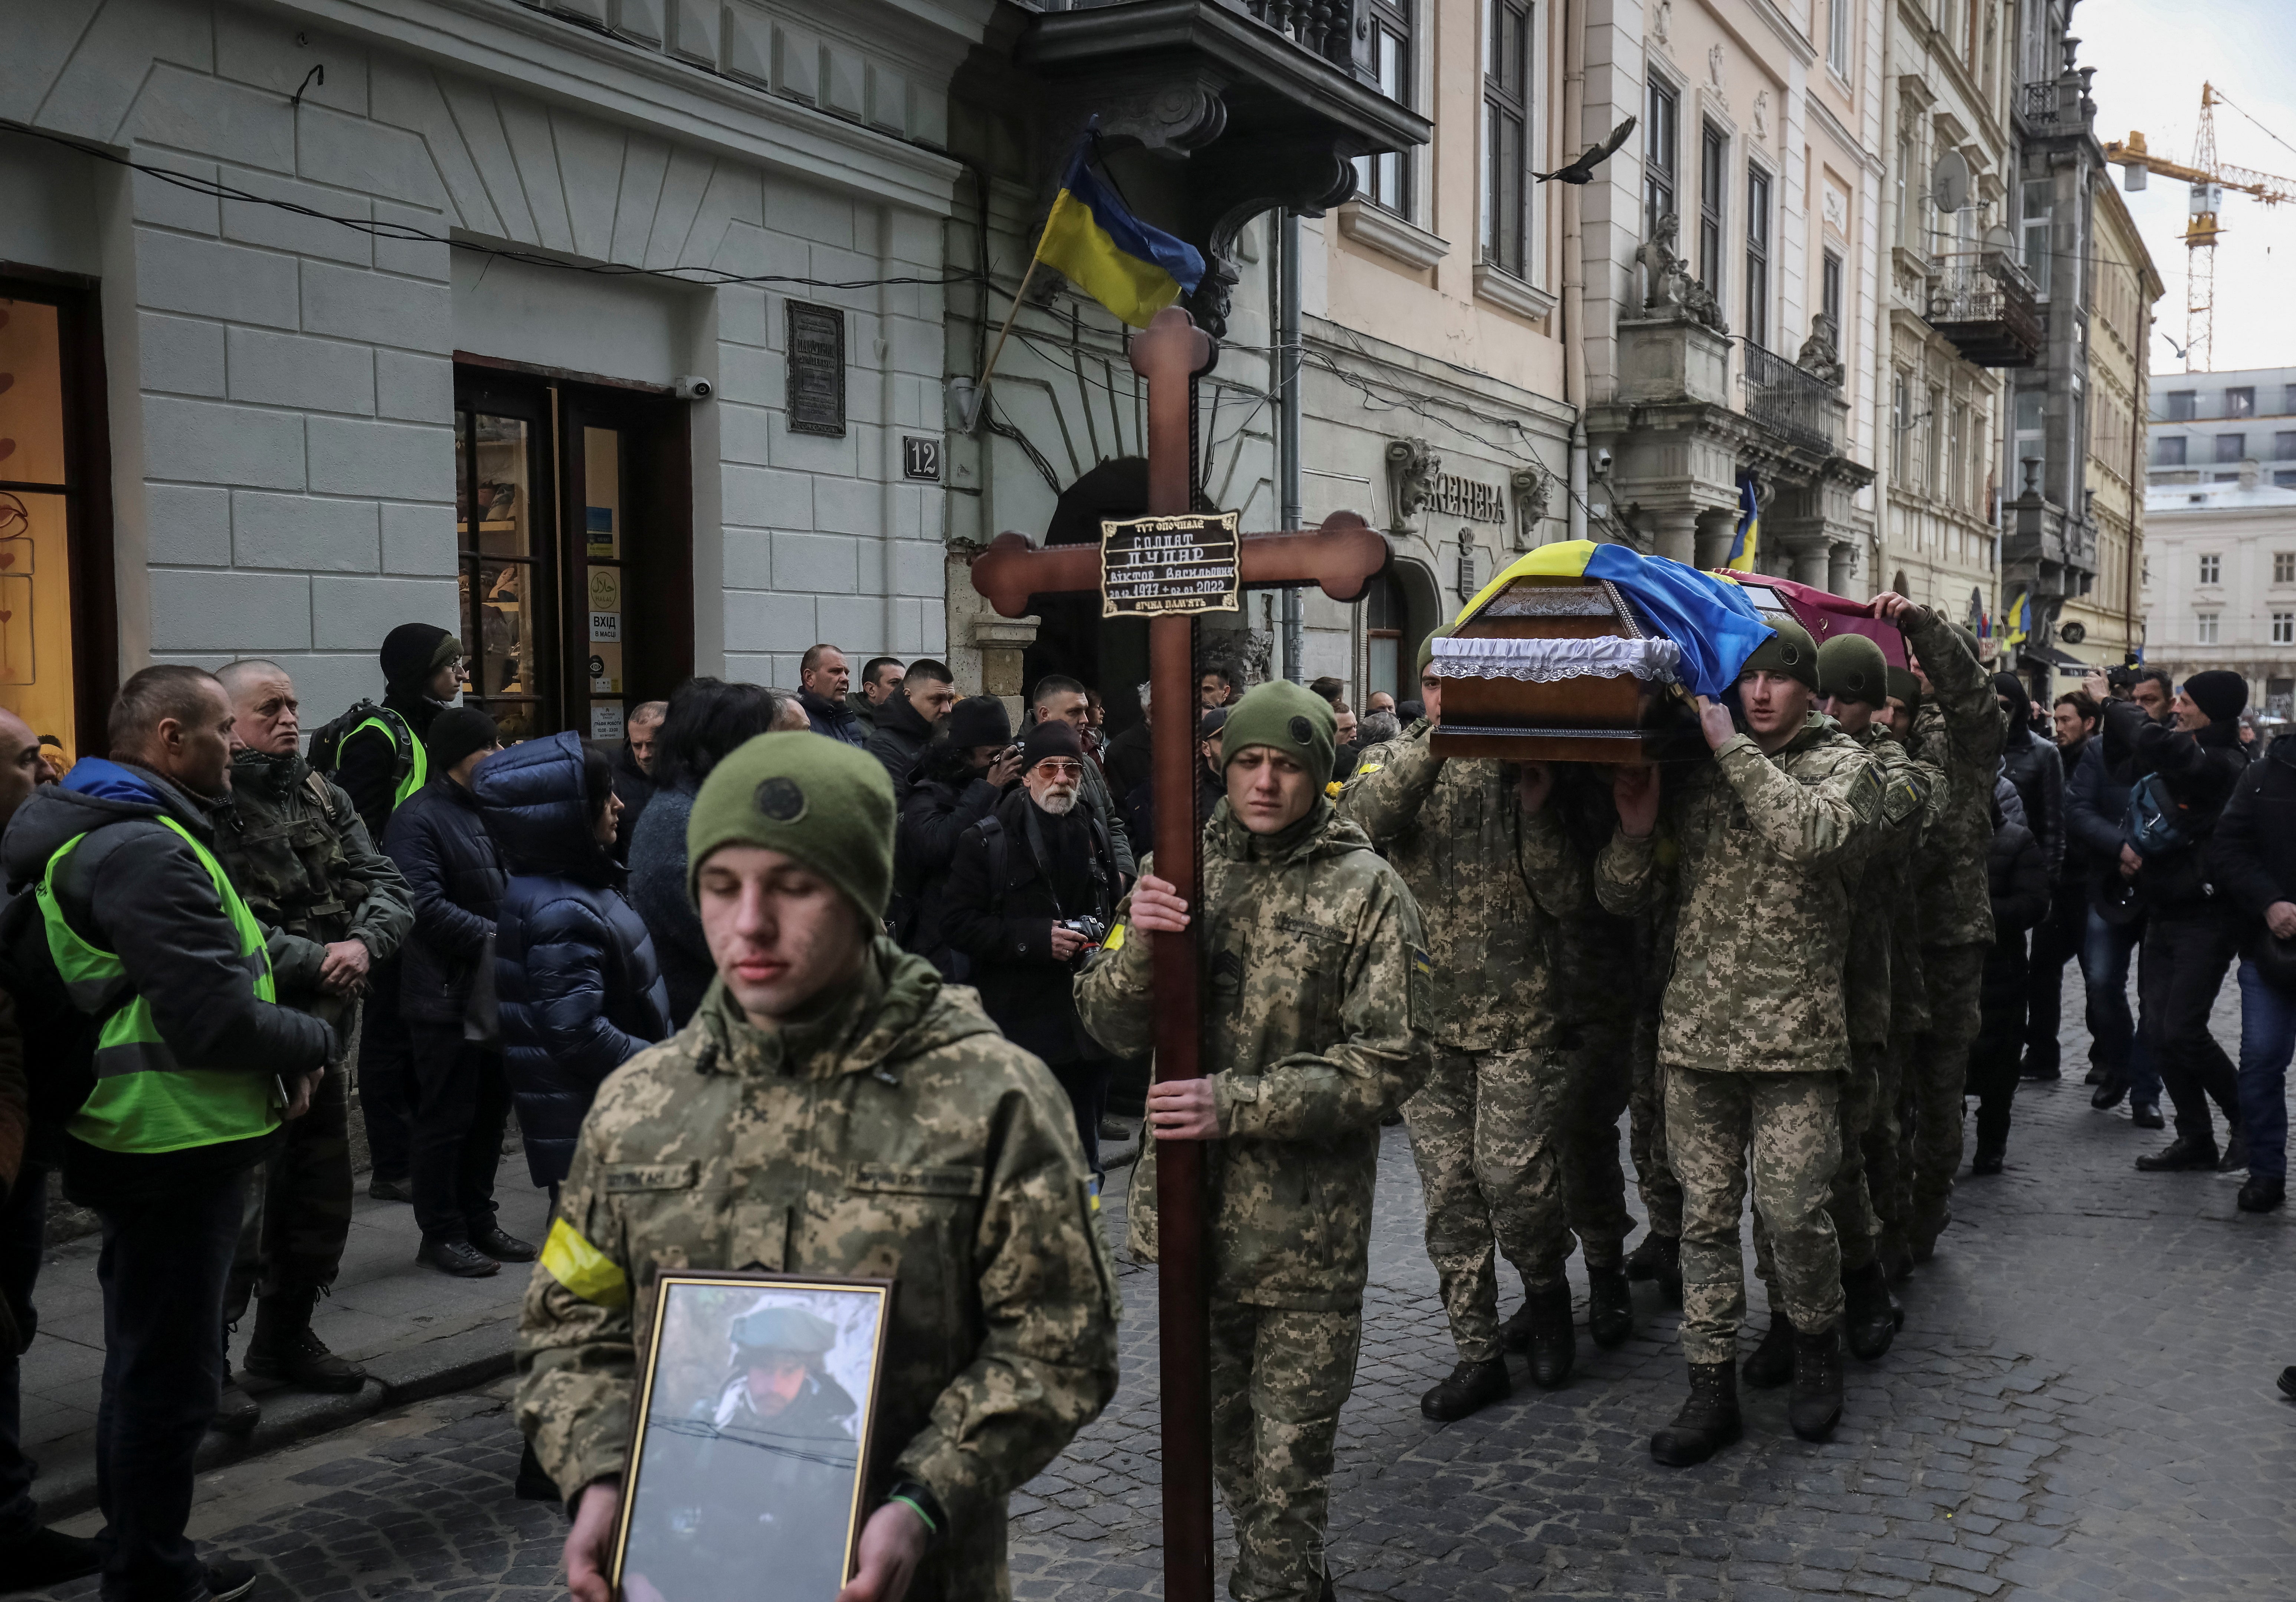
pixel 2219 584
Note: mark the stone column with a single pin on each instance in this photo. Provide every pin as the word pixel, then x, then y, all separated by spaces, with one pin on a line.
pixel 1808 565
pixel 1674 532
pixel 1842 567
pixel 1717 526
pixel 984 649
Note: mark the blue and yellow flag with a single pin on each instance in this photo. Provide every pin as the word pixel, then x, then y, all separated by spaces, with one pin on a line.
pixel 1133 270
pixel 1748 540
pixel 2017 624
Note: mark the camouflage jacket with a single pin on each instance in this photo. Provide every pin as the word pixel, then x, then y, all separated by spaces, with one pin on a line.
pixel 1959 732
pixel 1766 843
pixel 898 1136
pixel 300 855
pixel 1482 873
pixel 1879 885
pixel 1315 997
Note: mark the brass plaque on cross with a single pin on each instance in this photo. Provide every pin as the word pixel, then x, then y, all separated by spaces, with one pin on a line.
pixel 1157 566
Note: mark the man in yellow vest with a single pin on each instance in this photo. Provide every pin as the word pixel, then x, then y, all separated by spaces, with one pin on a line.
pixel 195 1065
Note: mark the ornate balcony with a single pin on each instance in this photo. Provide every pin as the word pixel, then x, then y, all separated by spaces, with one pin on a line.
pixel 1781 395
pixel 1981 303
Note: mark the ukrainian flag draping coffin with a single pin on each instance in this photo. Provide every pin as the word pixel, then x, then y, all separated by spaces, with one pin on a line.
pixel 1580 653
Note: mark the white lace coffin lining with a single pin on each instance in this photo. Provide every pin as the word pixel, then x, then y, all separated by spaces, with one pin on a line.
pixel 1546 661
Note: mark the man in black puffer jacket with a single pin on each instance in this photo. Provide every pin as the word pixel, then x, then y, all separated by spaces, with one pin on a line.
pixel 2057 939
pixel 2034 766
pixel 2017 878
pixel 2253 862
pixel 2190 936
pixel 958 782
pixel 462 1100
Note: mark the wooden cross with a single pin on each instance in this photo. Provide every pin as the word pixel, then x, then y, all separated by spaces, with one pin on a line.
pixel 1342 556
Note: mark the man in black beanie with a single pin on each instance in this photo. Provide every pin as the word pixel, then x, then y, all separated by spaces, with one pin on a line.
pixel 959 781
pixel 2186 771
pixel 1033 887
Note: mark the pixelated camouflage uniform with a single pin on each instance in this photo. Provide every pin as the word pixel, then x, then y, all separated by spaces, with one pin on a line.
pixel 1486 1127
pixel 1314 994
pixel 1654 1181
pixel 898 1135
pixel 300 857
pixel 1598 968
pixel 1876 884
pixel 1959 732
pixel 1752 1043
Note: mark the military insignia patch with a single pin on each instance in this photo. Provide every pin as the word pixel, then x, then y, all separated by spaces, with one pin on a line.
pixel 781 799
pixel 1302 730
pixel 1902 800
pixel 1421 964
pixel 1865 794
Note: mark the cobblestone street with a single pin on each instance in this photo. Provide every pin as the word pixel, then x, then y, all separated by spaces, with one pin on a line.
pixel 2080 1406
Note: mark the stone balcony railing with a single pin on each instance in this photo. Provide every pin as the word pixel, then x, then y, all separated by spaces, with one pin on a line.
pixel 1782 397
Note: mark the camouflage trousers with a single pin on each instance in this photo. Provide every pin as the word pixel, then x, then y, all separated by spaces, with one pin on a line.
pixel 1940 1065
pixel 1486 1130
pixel 1654 1180
pixel 1787 1127
pixel 1889 1164
pixel 298 1200
pixel 1848 1202
pixel 1594 1185
pixel 1279 1379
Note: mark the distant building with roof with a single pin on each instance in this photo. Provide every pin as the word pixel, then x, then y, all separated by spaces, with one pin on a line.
pixel 2219 581
pixel 2204 426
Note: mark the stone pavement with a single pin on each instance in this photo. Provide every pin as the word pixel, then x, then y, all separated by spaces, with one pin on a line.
pixel 2080 1406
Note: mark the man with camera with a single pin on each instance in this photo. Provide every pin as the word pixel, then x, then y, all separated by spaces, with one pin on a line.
pixel 1030 892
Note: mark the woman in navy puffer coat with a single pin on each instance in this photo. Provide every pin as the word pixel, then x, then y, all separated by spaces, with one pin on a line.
pixel 574 967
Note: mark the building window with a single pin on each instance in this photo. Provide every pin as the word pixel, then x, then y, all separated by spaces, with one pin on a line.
pixel 2211 569
pixel 2284 448
pixel 2037 197
pixel 1932 434
pixel 2288 400
pixel 1900 425
pixel 1830 295
pixel 2204 628
pixel 1713 163
pixel 2285 479
pixel 2240 403
pixel 1837 36
pixel 1661 133
pixel 1385 617
pixel 1956 447
pixel 1506 116
pixel 1906 238
pixel 577 554
pixel 2231 447
pixel 1385 180
pixel 2283 628
pixel 2181 408
pixel 2169 451
pixel 2032 439
pixel 2283 567
pixel 1758 257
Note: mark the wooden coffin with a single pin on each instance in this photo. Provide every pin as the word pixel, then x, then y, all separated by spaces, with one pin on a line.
pixel 1590 683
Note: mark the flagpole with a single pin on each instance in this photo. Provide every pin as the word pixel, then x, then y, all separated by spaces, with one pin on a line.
pixel 980 389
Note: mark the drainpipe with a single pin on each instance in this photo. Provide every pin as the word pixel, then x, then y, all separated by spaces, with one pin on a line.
pixel 1289 511
pixel 1574 263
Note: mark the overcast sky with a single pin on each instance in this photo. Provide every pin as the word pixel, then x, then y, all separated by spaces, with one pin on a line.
pixel 2150 58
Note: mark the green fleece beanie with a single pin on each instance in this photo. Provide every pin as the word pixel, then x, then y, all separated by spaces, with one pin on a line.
pixel 823 802
pixel 1789 650
pixel 1427 654
pixel 1288 717
pixel 1903 686
pixel 1851 667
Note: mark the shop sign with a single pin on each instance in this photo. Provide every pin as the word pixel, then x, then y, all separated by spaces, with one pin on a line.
pixel 1150 566
pixel 1452 496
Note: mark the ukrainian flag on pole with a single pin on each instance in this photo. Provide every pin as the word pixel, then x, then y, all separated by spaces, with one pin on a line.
pixel 2018 627
pixel 1133 270
pixel 1748 542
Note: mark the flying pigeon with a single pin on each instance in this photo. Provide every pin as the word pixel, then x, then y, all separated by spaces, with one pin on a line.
pixel 1583 168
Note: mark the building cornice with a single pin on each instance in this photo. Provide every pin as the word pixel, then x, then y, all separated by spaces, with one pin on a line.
pixel 1376 228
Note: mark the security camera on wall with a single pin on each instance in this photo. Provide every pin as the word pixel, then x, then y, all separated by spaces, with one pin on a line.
pixel 1602 462
pixel 695 388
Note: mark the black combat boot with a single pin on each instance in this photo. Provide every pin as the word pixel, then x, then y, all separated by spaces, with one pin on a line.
pixel 1923 1236
pixel 284 1347
pixel 1554 1341
pixel 1707 1421
pixel 1814 1407
pixel 1771 1363
pixel 1472 1388
pixel 2261 1194
pixel 2181 1156
pixel 1870 1317
pixel 1986 1161
pixel 1659 1257
pixel 236 1412
pixel 1610 1307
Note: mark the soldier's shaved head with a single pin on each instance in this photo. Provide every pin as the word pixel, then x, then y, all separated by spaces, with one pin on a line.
pixel 266 716
pixel 239 678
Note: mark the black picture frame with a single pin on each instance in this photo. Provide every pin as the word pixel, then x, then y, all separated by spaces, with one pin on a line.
pixel 714 1494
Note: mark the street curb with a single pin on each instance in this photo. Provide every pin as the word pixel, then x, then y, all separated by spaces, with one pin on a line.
pixel 438 1367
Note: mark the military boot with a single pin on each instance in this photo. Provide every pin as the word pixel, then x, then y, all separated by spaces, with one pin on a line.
pixel 1472 1388
pixel 1709 1420
pixel 236 1412
pixel 1553 1340
pixel 1610 1307
pixel 1771 1363
pixel 1814 1407
pixel 284 1347
pixel 1659 1257
pixel 1870 1317
pixel 1922 1238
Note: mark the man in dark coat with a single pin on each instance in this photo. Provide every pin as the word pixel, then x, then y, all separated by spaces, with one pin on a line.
pixel 634 769
pixel 822 675
pixel 2253 862
pixel 906 722
pixel 1038 864
pixel 958 782
pixel 2057 939
pixel 1130 754
pixel 440 843
pixel 2096 802
pixel 881 681
pixel 2017 881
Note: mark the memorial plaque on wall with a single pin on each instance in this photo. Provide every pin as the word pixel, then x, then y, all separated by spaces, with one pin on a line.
pixel 1152 565
pixel 816 352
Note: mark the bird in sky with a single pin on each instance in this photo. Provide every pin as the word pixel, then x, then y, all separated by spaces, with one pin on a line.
pixel 1583 169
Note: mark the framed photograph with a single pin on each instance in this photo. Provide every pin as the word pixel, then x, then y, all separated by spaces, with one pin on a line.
pixel 750 1446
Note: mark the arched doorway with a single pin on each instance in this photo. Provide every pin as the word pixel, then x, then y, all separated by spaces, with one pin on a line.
pixel 1109 655
pixel 1400 610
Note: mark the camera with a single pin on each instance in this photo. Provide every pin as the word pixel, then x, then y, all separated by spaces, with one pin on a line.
pixel 1092 930
pixel 1602 462
pixel 695 388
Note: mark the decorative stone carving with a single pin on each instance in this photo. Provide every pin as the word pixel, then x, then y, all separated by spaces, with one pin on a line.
pixel 1762 116
pixel 1663 22
pixel 1821 353
pixel 1714 75
pixel 1412 467
pixel 1531 488
pixel 1661 268
pixel 1255 651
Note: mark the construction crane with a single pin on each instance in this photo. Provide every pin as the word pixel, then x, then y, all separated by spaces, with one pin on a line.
pixel 2208 179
